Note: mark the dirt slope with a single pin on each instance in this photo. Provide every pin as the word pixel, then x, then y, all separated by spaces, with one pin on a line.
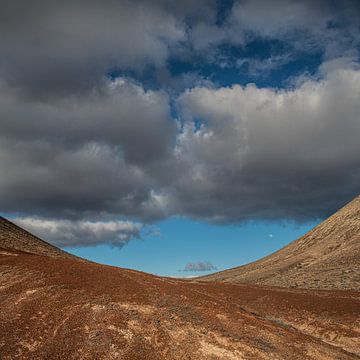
pixel 56 308
pixel 327 257
pixel 14 238
pixel 63 308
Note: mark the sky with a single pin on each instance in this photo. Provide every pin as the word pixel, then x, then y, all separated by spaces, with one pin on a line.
pixel 178 138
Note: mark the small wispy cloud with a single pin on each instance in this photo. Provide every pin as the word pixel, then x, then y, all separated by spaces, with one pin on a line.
pixel 199 266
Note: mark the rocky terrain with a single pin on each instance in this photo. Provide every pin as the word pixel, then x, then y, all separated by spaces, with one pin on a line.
pixel 327 257
pixel 55 306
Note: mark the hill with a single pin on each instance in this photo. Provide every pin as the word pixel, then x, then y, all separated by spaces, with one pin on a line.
pixel 14 238
pixel 327 257
pixel 54 306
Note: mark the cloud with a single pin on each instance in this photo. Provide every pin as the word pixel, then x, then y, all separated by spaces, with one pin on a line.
pixel 81 233
pixel 119 114
pixel 296 27
pixel 275 17
pixel 242 153
pixel 53 49
pixel 263 153
pixel 199 266
pixel 262 68
pixel 82 139
pixel 104 152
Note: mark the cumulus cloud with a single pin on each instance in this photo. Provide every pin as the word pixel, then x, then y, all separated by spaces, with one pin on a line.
pixel 275 17
pixel 330 28
pixel 51 49
pixel 82 233
pixel 267 153
pixel 243 152
pixel 107 151
pixel 80 139
pixel 199 266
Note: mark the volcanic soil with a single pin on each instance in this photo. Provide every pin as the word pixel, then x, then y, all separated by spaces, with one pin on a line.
pixel 63 308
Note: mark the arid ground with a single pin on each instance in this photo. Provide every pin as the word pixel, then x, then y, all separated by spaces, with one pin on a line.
pixel 327 257
pixel 56 306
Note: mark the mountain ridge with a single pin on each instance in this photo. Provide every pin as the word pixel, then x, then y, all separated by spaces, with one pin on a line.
pixel 15 238
pixel 54 306
pixel 327 257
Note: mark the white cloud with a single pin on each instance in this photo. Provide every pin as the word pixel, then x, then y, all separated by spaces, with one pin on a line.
pixel 81 233
pixel 267 153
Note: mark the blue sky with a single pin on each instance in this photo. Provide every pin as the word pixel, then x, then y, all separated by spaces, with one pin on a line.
pixel 184 241
pixel 163 135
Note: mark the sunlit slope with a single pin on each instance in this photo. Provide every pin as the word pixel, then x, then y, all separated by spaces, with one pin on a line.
pixel 327 257
pixel 59 308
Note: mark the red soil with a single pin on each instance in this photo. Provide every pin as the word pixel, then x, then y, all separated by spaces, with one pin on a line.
pixel 59 308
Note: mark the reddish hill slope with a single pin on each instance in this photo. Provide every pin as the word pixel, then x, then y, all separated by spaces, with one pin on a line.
pixel 14 238
pixel 328 257
pixel 63 308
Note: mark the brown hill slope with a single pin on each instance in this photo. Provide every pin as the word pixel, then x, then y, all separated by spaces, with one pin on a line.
pixel 327 257
pixel 57 307
pixel 14 238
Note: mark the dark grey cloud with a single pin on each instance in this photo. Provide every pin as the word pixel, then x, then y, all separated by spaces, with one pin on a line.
pixel 119 114
pixel 300 26
pixel 76 145
pixel 275 18
pixel 53 49
pixel 106 152
pixel 199 266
